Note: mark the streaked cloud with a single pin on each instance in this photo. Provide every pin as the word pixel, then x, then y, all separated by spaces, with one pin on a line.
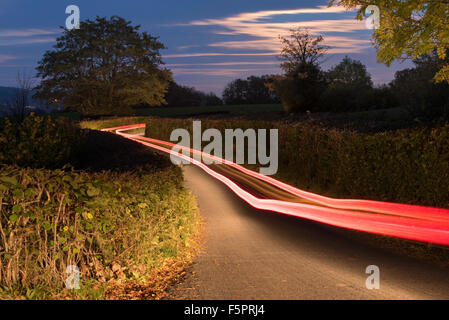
pixel 259 15
pixel 28 32
pixel 12 37
pixel 209 54
pixel 259 25
pixel 235 63
pixel 253 35
pixel 5 58
pixel 15 42
pixel 226 72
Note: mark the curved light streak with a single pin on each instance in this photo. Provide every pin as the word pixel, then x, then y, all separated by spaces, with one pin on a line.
pixel 411 222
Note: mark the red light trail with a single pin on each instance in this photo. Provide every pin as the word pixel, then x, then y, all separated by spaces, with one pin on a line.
pixel 411 222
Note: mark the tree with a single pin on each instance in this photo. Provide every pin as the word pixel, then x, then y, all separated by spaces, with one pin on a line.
pixel 408 29
pixel 211 99
pixel 301 48
pixel 416 91
pixel 303 82
pixel 253 90
pixel 235 92
pixel 104 67
pixel 349 73
pixel 349 88
pixel 301 91
pixel 183 96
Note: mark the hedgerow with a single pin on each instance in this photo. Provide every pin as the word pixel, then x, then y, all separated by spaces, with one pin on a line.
pixel 73 197
pixel 407 166
pixel 39 142
pixel 110 225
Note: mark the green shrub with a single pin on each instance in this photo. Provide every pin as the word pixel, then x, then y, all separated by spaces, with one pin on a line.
pixel 39 142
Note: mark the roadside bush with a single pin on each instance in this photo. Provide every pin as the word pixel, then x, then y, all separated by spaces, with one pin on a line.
pixel 110 225
pixel 39 142
pixel 407 166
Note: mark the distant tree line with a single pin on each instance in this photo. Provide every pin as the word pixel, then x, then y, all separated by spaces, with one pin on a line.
pixel 346 87
pixel 108 67
pixel 253 90
pixel 184 96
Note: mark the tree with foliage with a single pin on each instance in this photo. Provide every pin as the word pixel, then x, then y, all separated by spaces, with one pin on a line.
pixel 184 96
pixel 408 29
pixel 415 90
pixel 253 90
pixel 211 99
pixel 349 73
pixel 235 92
pixel 103 68
pixel 303 82
pixel 349 88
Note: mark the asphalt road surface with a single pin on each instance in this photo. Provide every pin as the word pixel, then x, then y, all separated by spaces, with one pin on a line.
pixel 253 254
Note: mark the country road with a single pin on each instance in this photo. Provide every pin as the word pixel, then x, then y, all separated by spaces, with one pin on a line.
pixel 253 254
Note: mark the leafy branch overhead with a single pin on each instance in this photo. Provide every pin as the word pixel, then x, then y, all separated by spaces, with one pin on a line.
pixel 105 67
pixel 408 29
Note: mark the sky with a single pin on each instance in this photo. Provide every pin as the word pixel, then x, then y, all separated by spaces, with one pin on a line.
pixel 209 42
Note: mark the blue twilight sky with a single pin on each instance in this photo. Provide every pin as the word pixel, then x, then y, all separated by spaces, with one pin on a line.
pixel 209 42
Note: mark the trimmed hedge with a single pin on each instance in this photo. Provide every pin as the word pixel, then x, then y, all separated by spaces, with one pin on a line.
pixel 39 142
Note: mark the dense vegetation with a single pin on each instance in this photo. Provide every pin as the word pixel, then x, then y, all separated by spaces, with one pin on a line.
pixel 408 166
pixel 415 90
pixel 253 90
pixel 119 213
pixel 39 142
pixel 183 96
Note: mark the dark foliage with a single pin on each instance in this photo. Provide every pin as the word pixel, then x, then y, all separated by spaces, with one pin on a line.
pixel 183 96
pixel 416 90
pixel 301 90
pixel 253 90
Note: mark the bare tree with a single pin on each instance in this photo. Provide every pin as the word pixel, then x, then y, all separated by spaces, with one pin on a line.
pixel 301 48
pixel 21 100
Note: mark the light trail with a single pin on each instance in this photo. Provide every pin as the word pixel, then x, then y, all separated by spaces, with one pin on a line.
pixel 411 222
